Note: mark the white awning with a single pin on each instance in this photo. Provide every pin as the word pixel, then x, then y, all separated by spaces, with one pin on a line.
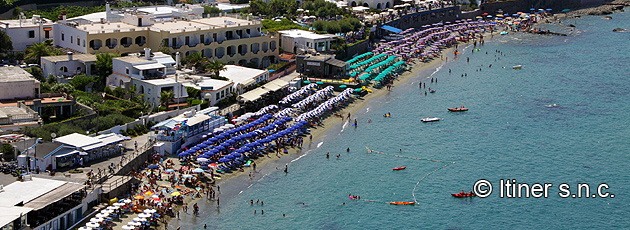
pixel 198 118
pixel 254 94
pixel 149 66
pixel 275 85
pixel 249 82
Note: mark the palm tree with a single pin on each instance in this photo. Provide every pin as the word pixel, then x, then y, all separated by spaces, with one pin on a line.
pixel 166 97
pixel 41 49
pixel 216 67
pixel 196 60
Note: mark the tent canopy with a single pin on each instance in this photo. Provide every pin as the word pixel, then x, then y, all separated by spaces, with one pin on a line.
pixel 391 29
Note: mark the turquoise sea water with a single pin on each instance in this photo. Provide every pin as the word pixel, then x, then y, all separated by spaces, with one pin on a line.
pixel 507 134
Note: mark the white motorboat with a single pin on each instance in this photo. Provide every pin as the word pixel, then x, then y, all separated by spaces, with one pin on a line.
pixel 430 119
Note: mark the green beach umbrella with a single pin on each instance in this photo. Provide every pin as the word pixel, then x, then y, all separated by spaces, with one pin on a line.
pixel 343 86
pixel 307 82
pixel 357 90
pixel 319 83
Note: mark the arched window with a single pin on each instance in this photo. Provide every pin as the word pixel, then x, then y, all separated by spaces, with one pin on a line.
pixel 63 69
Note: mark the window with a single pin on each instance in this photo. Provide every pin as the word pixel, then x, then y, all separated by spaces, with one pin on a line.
pixel 78 41
pixel 127 70
pixel 63 36
pixel 222 93
pixel 31 34
pixel 71 38
pixel 217 96
pixel 63 69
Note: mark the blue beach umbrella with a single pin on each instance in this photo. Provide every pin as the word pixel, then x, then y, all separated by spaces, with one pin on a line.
pixel 183 154
pixel 202 145
pixel 220 148
pixel 223 160
pixel 230 157
pixel 214 139
pixel 153 167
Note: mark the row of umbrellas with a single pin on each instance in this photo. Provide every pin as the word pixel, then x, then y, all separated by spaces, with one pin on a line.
pixel 318 96
pixel 329 104
pixel 265 110
pixel 306 90
pixel 359 57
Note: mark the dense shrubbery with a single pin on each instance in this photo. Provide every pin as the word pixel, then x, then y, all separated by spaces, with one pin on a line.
pixel 322 9
pixel 285 24
pixel 344 25
pixel 275 8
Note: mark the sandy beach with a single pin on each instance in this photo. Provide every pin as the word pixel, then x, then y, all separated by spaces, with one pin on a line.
pixel 271 162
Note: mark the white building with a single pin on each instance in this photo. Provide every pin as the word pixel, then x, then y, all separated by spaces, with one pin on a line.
pixel 162 13
pixel 229 38
pixel 244 78
pixel 212 90
pixel 24 32
pixel 301 40
pixel 69 65
pixel 43 204
pixel 16 83
pixel 374 4
pixel 148 74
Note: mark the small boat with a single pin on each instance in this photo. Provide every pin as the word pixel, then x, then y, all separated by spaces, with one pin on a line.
pixel 517 67
pixel 552 106
pixel 432 91
pixel 402 203
pixel 463 194
pixel 430 119
pixel 504 32
pixel 399 168
pixel 462 109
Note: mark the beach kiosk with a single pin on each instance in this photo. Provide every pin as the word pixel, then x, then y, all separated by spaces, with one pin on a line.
pixel 187 128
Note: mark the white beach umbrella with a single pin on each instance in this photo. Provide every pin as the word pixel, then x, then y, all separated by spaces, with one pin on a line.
pixel 85 228
pixel 149 211
pixel 97 219
pixel 102 215
pixel 128 227
pixel 144 215
pixel 92 225
pixel 134 223
pixel 139 219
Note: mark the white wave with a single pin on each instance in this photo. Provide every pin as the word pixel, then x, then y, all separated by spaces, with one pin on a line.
pixel 320 144
pixel 343 127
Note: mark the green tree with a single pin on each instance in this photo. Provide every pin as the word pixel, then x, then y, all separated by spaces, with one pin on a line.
pixel 164 49
pixel 41 49
pixel 62 88
pixel 195 60
pixel 259 8
pixel 8 152
pixel 81 81
pixel 216 67
pixel 103 68
pixel 37 73
pixel 211 10
pixel 5 42
pixel 319 25
pixel 166 97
